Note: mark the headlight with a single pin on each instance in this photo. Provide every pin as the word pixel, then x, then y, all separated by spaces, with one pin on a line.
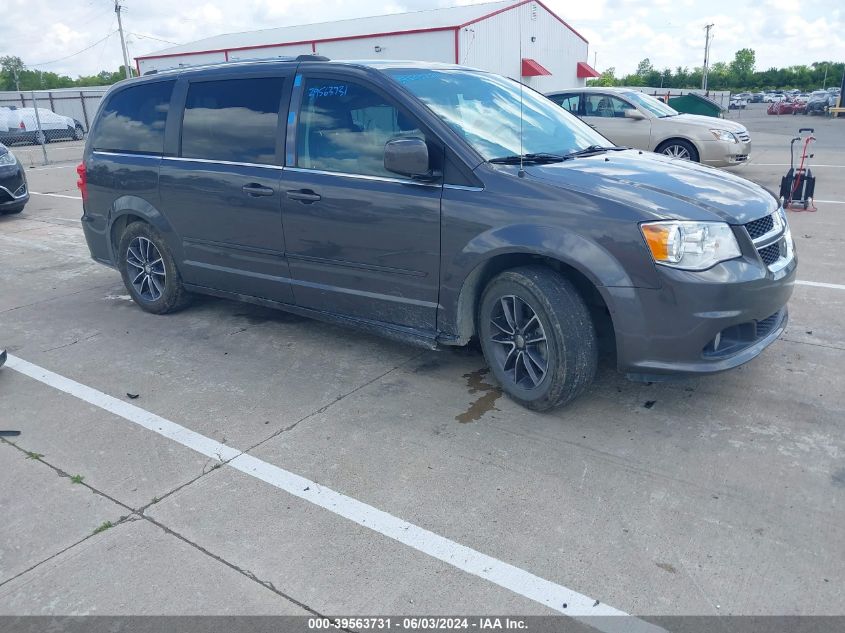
pixel 690 245
pixel 7 158
pixel 724 135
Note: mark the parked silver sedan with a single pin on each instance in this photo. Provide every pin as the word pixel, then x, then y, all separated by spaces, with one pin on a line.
pixel 634 119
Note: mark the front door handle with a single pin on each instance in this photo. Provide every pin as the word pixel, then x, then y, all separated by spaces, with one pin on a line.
pixel 304 195
pixel 255 190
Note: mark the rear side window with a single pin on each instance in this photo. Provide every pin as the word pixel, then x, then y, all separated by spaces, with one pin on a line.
pixel 568 102
pixel 232 119
pixel 133 119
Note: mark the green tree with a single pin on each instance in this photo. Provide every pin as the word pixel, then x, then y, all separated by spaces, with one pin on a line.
pixel 10 71
pixel 742 67
pixel 608 78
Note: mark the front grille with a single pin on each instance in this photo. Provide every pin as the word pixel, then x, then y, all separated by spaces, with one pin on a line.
pixel 770 254
pixel 760 227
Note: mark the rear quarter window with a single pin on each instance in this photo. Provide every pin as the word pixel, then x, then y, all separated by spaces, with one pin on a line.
pixel 133 119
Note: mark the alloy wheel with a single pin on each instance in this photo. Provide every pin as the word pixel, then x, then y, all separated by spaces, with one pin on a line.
pixel 677 151
pixel 146 269
pixel 520 345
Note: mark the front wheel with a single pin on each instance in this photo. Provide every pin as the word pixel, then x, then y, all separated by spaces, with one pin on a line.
pixel 149 271
pixel 78 133
pixel 679 148
pixel 537 337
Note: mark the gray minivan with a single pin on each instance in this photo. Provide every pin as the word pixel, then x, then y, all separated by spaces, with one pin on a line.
pixel 433 204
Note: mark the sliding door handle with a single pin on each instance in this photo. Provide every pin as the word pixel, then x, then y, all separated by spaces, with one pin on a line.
pixel 303 195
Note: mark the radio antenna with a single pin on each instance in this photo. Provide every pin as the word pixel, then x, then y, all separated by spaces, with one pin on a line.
pixel 521 172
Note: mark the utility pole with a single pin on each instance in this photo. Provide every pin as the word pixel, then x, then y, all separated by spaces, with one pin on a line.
pixel 117 9
pixel 595 59
pixel 706 57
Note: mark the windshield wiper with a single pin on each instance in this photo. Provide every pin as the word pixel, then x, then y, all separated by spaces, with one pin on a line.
pixel 595 149
pixel 516 159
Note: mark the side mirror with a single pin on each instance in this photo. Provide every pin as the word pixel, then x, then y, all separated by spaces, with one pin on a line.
pixel 407 157
pixel 635 114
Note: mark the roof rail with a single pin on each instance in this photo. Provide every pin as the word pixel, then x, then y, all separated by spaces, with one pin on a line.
pixel 312 58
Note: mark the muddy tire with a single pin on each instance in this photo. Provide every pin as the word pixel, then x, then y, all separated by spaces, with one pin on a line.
pixel 537 337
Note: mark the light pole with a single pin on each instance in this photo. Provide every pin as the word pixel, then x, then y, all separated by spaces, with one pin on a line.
pixel 706 57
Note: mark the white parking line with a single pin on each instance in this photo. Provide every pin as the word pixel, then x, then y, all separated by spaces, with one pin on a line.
pixel 55 195
pixel 830 201
pixel 554 596
pixel 819 284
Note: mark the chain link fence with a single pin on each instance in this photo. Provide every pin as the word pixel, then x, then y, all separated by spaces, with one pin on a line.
pixel 44 117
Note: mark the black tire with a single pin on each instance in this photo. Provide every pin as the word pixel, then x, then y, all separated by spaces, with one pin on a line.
pixel 676 147
pixel 40 138
pixel 570 349
pixel 78 133
pixel 164 290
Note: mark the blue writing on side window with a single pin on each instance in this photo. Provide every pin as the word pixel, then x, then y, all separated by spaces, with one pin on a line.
pixel 339 90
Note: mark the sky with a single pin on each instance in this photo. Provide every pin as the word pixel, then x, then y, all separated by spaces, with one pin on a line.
pixel 48 34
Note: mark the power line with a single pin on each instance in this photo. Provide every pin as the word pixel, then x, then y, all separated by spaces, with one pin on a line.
pixel 61 59
pixel 157 39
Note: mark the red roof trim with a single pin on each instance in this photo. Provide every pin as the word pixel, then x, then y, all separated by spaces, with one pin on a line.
pixel 532 68
pixel 585 70
pixel 519 4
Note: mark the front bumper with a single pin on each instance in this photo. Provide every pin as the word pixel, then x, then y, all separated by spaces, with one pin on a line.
pixel 700 322
pixel 724 154
pixel 14 192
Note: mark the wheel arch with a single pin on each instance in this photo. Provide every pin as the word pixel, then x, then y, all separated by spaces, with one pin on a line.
pixel 129 209
pixel 589 267
pixel 678 137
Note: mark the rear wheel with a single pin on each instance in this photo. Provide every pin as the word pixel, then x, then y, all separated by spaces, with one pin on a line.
pixel 537 336
pixel 149 271
pixel 679 148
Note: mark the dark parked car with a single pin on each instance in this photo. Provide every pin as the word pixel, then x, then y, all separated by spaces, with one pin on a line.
pixel 414 200
pixel 13 190
pixel 818 102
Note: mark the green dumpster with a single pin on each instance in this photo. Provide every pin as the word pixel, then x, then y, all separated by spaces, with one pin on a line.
pixel 692 103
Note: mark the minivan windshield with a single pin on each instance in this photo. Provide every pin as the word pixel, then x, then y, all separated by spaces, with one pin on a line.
pixel 487 111
pixel 650 104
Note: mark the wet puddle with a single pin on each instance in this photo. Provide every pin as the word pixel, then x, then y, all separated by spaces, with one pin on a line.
pixel 487 396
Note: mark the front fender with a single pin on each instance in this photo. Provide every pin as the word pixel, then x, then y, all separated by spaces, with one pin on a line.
pixel 513 245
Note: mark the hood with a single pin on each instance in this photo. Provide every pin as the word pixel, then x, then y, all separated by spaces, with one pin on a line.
pixel 710 122
pixel 661 187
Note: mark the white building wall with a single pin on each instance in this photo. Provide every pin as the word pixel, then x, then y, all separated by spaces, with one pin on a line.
pixel 271 51
pixel 494 44
pixel 432 46
pixel 164 63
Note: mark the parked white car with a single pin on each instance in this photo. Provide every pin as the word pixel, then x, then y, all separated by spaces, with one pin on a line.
pixel 773 98
pixel 21 124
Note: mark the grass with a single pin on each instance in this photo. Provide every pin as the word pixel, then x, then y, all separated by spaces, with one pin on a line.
pixel 105 526
pixel 77 479
pixel 34 455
